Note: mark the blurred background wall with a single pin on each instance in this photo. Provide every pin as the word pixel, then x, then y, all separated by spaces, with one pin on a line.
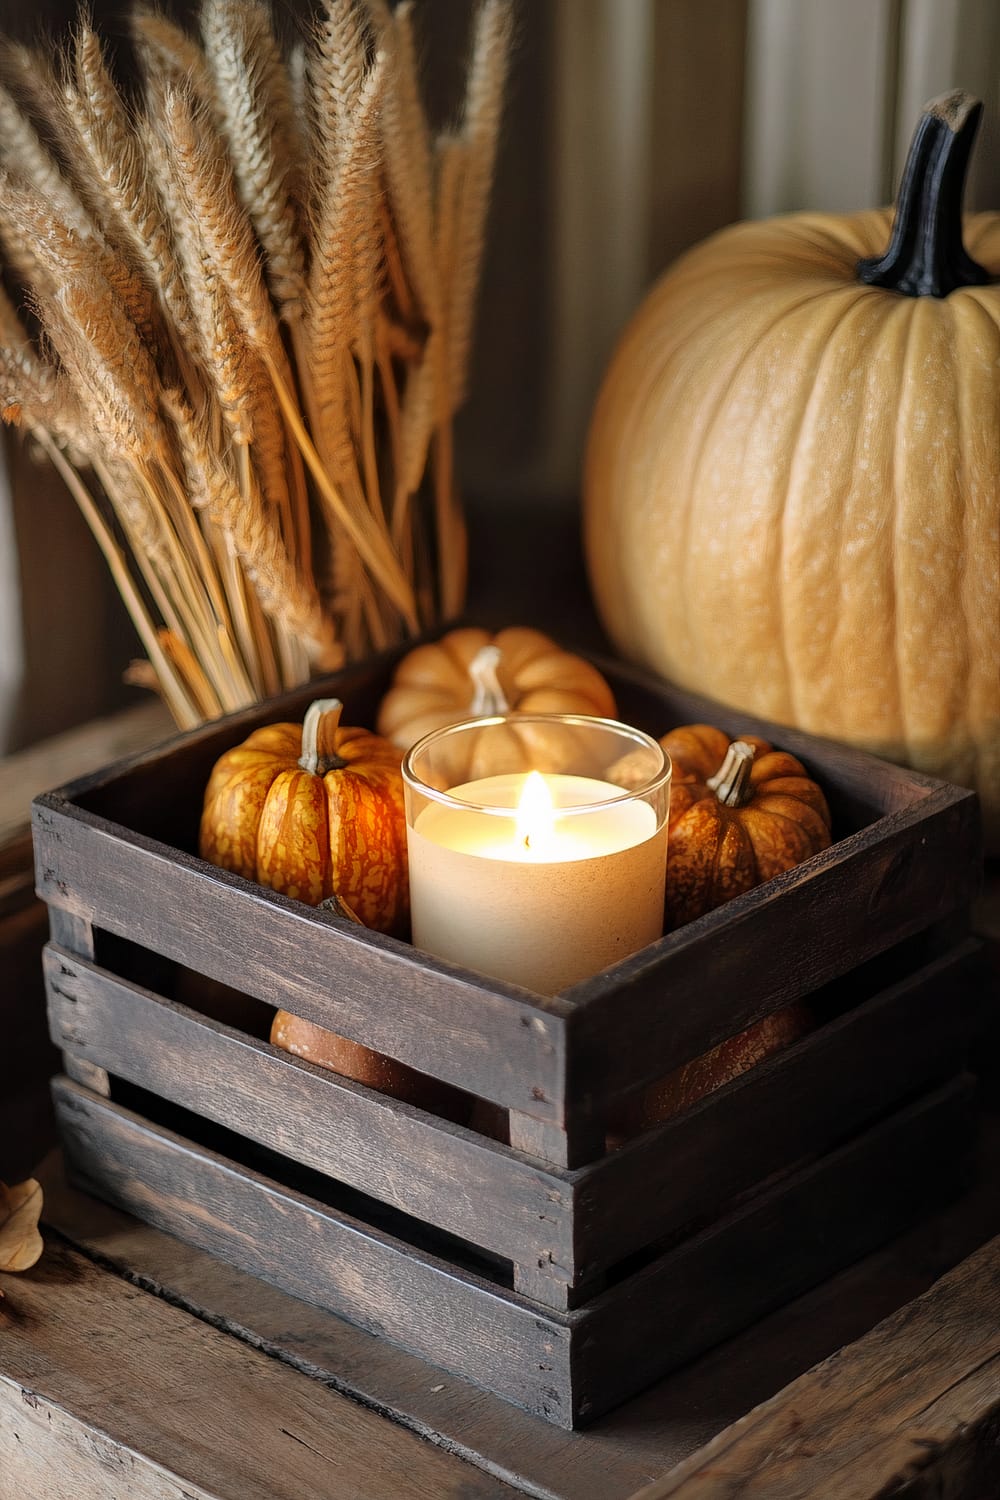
pixel 634 128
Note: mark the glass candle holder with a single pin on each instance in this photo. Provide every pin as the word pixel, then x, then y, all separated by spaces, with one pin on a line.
pixel 537 845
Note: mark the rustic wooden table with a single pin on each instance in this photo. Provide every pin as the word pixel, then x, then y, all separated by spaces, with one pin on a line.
pixel 133 1367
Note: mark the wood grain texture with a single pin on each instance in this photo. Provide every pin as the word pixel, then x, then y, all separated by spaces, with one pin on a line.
pixel 47 1451
pixel 109 1393
pixel 626 1449
pixel 566 1367
pixel 788 1238
pixel 485 1037
pixel 797 1104
pixel 450 1317
pixel 905 856
pixel 719 974
pixel 912 1409
pixel 440 1173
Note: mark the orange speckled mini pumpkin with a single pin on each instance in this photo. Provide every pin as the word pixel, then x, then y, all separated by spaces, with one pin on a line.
pixel 740 813
pixel 316 811
pixel 313 810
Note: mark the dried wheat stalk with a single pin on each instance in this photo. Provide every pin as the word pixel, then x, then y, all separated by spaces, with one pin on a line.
pixel 237 318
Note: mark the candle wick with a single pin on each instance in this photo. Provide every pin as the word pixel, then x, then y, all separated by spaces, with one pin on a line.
pixel 527 840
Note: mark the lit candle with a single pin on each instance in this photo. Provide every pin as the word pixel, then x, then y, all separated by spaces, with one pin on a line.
pixel 541 879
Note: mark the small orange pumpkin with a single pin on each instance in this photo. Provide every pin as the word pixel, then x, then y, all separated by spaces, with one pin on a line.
pixel 312 810
pixel 316 811
pixel 693 1080
pixel 740 813
pixel 471 674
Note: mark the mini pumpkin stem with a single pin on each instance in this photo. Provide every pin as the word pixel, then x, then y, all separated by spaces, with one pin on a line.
pixel 731 782
pixel 489 697
pixel 338 907
pixel 926 256
pixel 319 737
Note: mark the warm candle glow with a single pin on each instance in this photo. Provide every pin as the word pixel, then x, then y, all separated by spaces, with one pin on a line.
pixel 540 877
pixel 536 819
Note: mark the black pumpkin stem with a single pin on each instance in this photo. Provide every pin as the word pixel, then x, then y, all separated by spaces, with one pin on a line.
pixel 731 782
pixel 926 256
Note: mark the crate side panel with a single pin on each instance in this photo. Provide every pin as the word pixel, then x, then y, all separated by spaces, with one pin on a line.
pixel 818 1092
pixel 486 1038
pixel 799 1232
pixel 778 943
pixel 434 1171
pixel 449 1318
pixel 860 785
pixel 159 792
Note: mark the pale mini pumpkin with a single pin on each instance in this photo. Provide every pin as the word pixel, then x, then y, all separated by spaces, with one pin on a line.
pixel 740 813
pixel 470 673
pixel 791 486
pixel 313 810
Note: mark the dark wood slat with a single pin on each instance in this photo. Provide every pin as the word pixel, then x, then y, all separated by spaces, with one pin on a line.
pixel 71 931
pixel 314 1252
pixel 816 1093
pixel 714 976
pixel 911 1409
pixel 785 1240
pixel 438 1172
pixel 75 934
pixel 488 1038
pixel 359 685
pixel 861 780
pixel 566 1367
pixel 648 1436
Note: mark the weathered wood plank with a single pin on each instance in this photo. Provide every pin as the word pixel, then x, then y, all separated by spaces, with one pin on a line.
pixel 565 1366
pixel 47 1451
pixel 438 1172
pixel 490 1039
pixel 72 931
pixel 903 1411
pixel 799 1103
pixel 767 1251
pixel 719 974
pixel 89 1074
pixel 450 1317
pixel 627 1448
pixel 109 1393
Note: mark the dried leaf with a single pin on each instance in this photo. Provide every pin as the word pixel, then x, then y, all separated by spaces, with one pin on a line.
pixel 20 1242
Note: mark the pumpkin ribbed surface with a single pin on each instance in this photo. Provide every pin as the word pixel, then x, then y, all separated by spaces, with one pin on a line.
pixel 792 492
pixel 312 835
pixel 740 814
pixel 471 673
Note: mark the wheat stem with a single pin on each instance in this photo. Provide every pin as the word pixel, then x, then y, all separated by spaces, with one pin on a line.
pixel 377 554
pixel 185 710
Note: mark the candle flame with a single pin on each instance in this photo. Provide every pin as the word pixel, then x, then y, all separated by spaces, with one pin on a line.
pixel 535 813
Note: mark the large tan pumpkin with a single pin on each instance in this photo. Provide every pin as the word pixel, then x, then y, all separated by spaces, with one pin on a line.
pixel 792 490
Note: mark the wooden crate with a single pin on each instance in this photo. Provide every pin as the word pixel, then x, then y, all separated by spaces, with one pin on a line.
pixel 559 1275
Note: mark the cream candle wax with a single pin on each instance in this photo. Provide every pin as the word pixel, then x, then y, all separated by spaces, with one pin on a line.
pixel 541 879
